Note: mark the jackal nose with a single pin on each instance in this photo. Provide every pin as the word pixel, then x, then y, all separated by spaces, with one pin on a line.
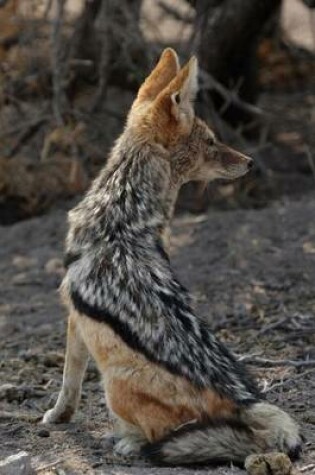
pixel 250 163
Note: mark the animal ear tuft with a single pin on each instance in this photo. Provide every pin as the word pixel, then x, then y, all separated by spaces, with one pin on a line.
pixel 183 90
pixel 190 85
pixel 163 73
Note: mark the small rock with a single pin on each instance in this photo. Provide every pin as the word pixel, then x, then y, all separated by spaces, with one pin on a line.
pixel 309 417
pixel 24 278
pixel 55 266
pixel 43 433
pixel 8 392
pixel 17 464
pixel 23 262
pixel 20 278
pixel 29 355
pixel 53 359
pixel 275 463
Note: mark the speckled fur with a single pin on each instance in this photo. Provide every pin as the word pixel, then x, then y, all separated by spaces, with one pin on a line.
pixel 161 365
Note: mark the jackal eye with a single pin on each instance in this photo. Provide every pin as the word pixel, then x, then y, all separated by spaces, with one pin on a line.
pixel 176 97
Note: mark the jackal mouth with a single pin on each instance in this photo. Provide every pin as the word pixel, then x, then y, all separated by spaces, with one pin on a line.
pixel 234 172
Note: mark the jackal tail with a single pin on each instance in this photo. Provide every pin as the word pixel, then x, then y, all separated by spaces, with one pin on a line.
pixel 214 441
pixel 263 428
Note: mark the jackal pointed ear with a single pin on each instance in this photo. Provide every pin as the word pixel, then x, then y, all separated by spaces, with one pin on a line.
pixel 187 84
pixel 160 77
pixel 184 95
pixel 178 97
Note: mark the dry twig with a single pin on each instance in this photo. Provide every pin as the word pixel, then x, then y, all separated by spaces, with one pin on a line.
pixel 20 416
pixel 267 363
pixel 25 135
pixel 310 160
pixel 49 465
pixel 175 13
pixel 311 466
pixel 22 127
pixel 58 92
pixel 230 96
pixel 290 379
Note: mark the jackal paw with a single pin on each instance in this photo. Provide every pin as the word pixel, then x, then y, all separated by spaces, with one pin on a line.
pixel 55 416
pixel 128 446
pixel 109 440
pixel 273 463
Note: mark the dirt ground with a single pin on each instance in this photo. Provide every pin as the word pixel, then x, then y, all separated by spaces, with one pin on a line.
pixel 252 273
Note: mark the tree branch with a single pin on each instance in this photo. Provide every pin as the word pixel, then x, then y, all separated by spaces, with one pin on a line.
pixel 58 92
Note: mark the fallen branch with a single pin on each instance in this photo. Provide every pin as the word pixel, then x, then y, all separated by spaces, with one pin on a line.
pixel 49 465
pixel 311 466
pixel 271 326
pixel 20 416
pixel 267 363
pixel 290 379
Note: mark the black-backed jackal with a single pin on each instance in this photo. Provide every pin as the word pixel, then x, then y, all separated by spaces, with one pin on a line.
pixel 178 394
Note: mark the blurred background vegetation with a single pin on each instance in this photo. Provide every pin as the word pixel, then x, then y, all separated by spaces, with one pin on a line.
pixel 69 70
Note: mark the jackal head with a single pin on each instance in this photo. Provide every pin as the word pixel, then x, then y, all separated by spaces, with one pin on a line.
pixel 163 112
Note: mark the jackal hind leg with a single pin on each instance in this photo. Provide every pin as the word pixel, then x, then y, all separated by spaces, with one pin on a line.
pixel 144 414
pixel 73 374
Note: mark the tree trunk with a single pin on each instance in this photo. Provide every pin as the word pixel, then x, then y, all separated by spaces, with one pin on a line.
pixel 108 34
pixel 226 39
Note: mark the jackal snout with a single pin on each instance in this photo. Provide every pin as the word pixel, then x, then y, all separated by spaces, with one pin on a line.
pixel 233 164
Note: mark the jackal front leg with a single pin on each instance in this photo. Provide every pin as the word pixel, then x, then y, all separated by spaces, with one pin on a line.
pixel 73 374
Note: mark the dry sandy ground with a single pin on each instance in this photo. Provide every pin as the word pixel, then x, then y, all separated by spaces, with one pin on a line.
pixel 252 273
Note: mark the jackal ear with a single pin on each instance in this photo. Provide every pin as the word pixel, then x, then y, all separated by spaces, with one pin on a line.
pixel 160 77
pixel 178 97
pixel 183 98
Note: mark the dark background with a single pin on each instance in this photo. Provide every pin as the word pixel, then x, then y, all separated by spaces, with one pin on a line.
pixel 70 69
